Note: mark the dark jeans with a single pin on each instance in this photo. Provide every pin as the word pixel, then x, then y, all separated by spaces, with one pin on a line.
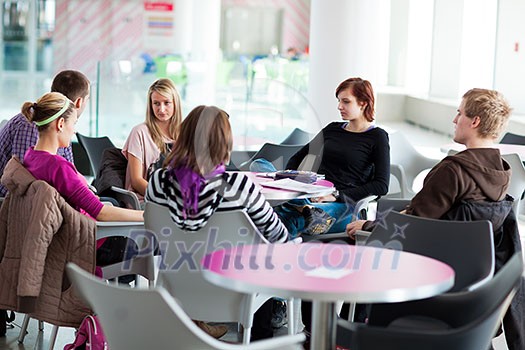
pixel 361 313
pixel 262 322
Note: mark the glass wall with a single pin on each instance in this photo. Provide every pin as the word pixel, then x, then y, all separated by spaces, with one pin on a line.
pixel 432 53
pixel 265 98
pixel 27 33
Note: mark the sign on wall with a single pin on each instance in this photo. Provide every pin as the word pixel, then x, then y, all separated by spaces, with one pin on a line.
pixel 158 23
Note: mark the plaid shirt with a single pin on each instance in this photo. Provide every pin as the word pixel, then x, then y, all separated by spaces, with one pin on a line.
pixel 15 138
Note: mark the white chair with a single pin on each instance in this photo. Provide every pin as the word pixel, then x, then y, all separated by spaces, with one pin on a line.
pixel 152 319
pixel 517 180
pixel 406 163
pixel 180 266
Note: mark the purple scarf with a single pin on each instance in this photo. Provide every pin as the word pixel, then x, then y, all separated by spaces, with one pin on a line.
pixel 191 185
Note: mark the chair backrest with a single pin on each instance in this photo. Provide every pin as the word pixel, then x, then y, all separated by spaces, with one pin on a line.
pixel 94 147
pixel 182 252
pixel 297 137
pixel 384 205
pixel 517 180
pixel 467 246
pixel 406 163
pixel 81 159
pixel 471 305
pixel 513 139
pixel 473 318
pixel 136 318
pixel 278 155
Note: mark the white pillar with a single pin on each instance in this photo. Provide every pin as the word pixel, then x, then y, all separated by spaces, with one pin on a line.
pixel 182 24
pixel 348 38
pixel 205 49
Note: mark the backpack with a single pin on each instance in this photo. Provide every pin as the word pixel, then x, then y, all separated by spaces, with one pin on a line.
pixel 89 336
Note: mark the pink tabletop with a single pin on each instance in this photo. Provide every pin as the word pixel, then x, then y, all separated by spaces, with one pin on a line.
pixel 328 272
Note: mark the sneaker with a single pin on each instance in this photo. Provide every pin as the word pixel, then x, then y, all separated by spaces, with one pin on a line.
pixel 279 318
pixel 215 331
pixel 316 220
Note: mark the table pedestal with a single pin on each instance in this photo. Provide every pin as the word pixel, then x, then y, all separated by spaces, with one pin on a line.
pixel 324 325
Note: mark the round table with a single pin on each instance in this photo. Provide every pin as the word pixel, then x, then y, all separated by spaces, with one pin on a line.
pixel 326 273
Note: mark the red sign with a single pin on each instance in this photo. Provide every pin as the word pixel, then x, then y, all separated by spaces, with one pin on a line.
pixel 158 6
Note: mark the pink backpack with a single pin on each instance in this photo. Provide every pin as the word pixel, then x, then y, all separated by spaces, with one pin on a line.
pixel 89 336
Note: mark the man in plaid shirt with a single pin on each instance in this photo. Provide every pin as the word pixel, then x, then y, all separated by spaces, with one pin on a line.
pixel 18 134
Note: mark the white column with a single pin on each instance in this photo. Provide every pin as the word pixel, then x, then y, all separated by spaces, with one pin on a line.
pixel 182 25
pixel 348 38
pixel 205 49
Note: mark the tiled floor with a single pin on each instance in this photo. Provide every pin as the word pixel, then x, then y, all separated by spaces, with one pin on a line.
pixel 425 141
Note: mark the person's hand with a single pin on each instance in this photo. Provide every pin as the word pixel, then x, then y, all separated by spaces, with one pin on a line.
pixel 353 227
pixel 328 198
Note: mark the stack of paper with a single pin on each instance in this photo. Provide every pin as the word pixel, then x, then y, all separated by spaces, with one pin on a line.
pixel 292 185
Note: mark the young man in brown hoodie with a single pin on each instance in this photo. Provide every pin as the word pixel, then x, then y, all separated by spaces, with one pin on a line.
pixel 478 173
pixel 472 185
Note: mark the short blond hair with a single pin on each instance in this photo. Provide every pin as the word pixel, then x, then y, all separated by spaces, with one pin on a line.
pixel 491 107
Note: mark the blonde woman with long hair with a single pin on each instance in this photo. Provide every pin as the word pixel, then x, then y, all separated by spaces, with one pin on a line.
pixel 150 140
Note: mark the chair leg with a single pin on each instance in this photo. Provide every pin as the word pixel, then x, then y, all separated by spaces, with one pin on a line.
pixel 290 307
pixel 23 329
pixel 351 312
pixel 247 335
pixel 53 337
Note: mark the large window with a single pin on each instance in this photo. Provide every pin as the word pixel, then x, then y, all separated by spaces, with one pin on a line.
pixel 27 32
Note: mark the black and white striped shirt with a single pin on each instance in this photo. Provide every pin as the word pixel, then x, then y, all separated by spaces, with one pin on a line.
pixel 224 192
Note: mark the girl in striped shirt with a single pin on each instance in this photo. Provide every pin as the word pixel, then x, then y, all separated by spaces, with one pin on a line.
pixel 194 184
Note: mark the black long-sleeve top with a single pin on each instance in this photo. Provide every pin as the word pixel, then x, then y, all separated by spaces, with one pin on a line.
pixel 357 163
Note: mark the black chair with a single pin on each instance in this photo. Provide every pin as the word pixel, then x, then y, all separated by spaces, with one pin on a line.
pixel 94 147
pixel 385 205
pixel 453 321
pixel 297 137
pixel 467 246
pixel 278 155
pixel 237 158
pixel 513 139
pixel 81 160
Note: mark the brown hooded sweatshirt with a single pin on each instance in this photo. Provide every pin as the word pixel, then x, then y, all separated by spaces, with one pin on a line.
pixel 472 175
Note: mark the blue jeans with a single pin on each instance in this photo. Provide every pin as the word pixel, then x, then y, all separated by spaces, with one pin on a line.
pixel 294 220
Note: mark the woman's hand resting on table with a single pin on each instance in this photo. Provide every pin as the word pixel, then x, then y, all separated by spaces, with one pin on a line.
pixel 328 198
pixel 353 227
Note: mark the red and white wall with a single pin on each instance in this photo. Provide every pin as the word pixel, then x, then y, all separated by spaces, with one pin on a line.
pixel 88 31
